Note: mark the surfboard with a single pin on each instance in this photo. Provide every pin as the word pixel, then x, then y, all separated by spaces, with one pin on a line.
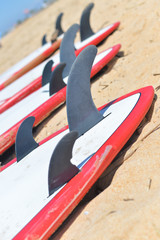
pixel 45 100
pixel 29 62
pixel 49 180
pixel 21 63
pixel 88 37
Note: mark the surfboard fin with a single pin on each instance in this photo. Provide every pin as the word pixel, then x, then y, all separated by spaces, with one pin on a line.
pixel 61 170
pixel 82 113
pixel 85 27
pixel 58 24
pixel 25 143
pixel 47 71
pixel 67 56
pixel 67 50
pixel 44 41
pixel 57 32
pixel 56 82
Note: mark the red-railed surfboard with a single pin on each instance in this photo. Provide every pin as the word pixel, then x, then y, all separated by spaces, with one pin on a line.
pixel 121 118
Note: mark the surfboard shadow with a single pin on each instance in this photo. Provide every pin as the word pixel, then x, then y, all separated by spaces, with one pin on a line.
pixel 106 39
pixel 8 155
pixel 106 178
pixel 37 129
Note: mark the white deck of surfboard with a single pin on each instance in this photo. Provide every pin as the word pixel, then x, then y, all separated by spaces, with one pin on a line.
pixel 24 191
pixel 37 72
pixel 23 62
pixel 26 79
pixel 17 112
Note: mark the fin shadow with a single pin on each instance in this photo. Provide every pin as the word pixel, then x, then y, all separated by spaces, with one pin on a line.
pixel 106 178
pixel 151 110
pixel 8 155
pixel 37 129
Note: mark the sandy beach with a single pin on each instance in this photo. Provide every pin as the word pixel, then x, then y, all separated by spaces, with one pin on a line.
pixel 124 203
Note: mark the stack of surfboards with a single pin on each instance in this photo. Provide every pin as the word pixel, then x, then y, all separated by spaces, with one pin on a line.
pixel 47 180
pixel 17 99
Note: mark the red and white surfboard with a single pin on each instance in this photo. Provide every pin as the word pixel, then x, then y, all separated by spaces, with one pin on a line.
pixel 8 77
pixel 11 71
pixel 33 213
pixel 39 104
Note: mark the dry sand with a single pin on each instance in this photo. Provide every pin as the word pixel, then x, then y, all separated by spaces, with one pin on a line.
pixel 128 206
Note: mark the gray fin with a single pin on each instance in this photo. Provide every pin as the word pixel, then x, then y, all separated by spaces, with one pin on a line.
pixel 44 41
pixel 61 170
pixel 47 71
pixel 25 143
pixel 58 24
pixel 82 113
pixel 85 28
pixel 67 50
pixel 56 82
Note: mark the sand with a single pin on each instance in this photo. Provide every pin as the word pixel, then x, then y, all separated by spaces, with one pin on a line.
pixel 127 206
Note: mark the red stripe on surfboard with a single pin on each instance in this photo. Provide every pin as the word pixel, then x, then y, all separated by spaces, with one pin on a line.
pixel 2 86
pixel 45 223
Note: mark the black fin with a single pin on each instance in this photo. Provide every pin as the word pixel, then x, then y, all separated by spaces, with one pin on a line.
pixel 56 82
pixel 25 143
pixel 58 24
pixel 47 71
pixel 85 28
pixel 44 41
pixel 61 170
pixel 82 114
pixel 67 50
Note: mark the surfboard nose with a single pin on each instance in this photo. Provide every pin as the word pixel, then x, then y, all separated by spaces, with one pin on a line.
pixel 116 47
pixel 116 24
